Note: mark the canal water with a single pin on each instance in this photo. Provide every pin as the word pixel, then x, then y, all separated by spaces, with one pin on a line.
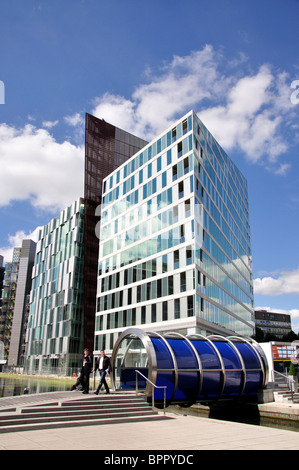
pixel 18 385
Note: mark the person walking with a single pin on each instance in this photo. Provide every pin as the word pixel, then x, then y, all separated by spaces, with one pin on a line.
pixel 86 370
pixel 103 365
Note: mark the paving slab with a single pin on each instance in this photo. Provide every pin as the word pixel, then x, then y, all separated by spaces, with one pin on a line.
pixel 183 433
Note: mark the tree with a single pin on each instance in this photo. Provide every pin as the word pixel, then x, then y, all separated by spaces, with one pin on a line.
pixel 292 369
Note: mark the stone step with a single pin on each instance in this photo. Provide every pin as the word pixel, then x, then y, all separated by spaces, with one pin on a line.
pixel 87 406
pixel 25 419
pixel 286 396
pixel 83 422
pixel 72 414
pixel 79 412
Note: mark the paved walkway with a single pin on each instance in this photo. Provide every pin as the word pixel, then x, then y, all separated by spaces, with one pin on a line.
pixel 183 433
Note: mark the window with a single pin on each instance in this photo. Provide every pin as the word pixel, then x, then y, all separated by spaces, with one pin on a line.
pixel 139 293
pixel 140 176
pixel 153 313
pixel 187 208
pixel 175 214
pixel 159 288
pixel 164 180
pixel 180 149
pixel 190 310
pixel 148 291
pixel 134 316
pixel 181 189
pixel 154 267
pixel 164 311
pixel 182 233
pixel 143 315
pixel 129 296
pixel 188 255
pixel 176 259
pixel 170 285
pixel 173 135
pixel 143 270
pixel 183 283
pixel 159 164
pixel 186 166
pixel 164 263
pixel 177 309
pixel 174 172
pixel 185 127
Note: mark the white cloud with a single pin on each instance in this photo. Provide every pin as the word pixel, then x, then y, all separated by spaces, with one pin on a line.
pixel 37 168
pixel 15 241
pixel 74 120
pixel 178 87
pixel 243 112
pixel 287 282
pixel 50 124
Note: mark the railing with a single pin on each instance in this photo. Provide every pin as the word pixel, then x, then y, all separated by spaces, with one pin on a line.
pixel 291 382
pixel 153 391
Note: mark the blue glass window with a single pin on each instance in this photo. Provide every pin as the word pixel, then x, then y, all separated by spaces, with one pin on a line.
pixel 159 164
pixel 164 179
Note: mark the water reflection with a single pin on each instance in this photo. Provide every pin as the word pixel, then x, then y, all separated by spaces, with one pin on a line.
pixel 12 386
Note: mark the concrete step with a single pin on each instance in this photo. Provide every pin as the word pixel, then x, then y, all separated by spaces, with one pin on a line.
pixel 85 422
pixel 286 396
pixel 72 414
pixel 79 412
pixel 88 406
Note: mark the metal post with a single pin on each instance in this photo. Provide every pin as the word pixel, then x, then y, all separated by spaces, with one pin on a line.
pixel 153 398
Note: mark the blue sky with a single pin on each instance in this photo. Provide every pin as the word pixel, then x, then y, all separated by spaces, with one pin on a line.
pixel 141 65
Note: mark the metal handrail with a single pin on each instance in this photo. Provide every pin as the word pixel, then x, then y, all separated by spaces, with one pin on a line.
pixel 290 380
pixel 153 391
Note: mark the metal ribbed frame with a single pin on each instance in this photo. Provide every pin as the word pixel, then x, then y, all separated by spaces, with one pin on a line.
pixel 222 370
pixel 145 338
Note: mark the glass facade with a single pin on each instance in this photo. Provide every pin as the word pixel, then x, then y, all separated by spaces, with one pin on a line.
pixel 175 240
pixel 8 299
pixel 55 326
pixel 106 147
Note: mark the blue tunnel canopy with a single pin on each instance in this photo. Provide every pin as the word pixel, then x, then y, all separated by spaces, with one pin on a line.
pixel 193 368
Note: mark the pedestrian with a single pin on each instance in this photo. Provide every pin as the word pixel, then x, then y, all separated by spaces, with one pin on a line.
pixel 103 365
pixel 86 370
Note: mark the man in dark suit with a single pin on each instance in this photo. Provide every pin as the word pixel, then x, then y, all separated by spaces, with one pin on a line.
pixel 86 370
pixel 103 365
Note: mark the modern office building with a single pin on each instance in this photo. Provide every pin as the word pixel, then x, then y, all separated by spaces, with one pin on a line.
pixel 273 323
pixel 55 325
pixel 61 320
pixel 2 271
pixel 106 148
pixel 23 287
pixel 8 299
pixel 175 240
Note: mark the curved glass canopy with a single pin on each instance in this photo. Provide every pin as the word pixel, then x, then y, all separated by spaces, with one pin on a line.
pixel 194 368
